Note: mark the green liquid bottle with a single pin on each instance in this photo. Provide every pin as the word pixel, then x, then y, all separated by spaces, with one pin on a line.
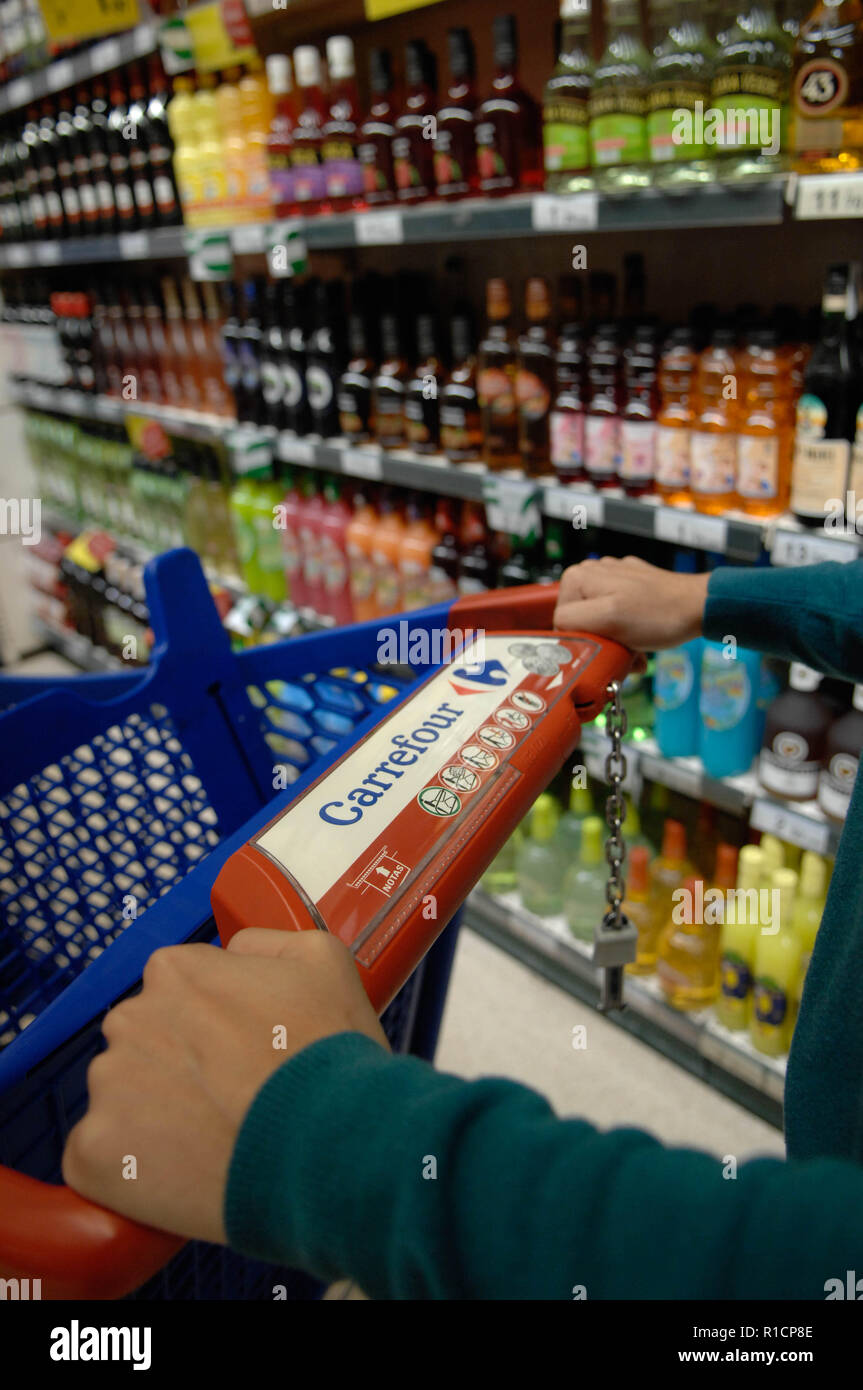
pixel 566 102
pixel 680 79
pixel 538 863
pixel 584 883
pixel 269 493
pixel 571 824
pixel 244 498
pixel 618 104
pixel 749 96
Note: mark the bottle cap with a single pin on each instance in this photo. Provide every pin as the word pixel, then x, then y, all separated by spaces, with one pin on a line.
pixel 636 878
pixel 726 866
pixel 340 57
pixel 279 78
pixel 497 300
pixel 504 39
pixel 544 818
pixel 750 867
pixel 813 875
pixel 307 65
pixel 462 62
pixel 537 298
pixel 673 840
pixel 803 678
pixel 591 840
pixel 380 71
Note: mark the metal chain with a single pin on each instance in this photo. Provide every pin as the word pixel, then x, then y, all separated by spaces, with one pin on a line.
pixel 615 807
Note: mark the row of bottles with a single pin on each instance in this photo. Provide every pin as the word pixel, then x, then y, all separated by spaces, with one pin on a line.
pixel 812 743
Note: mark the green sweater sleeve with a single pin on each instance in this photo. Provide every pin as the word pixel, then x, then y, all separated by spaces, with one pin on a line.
pixel 355 1163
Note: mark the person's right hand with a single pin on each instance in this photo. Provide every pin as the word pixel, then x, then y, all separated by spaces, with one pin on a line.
pixel 639 605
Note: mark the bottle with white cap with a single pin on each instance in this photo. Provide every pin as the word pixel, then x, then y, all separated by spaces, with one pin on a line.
pixel 280 141
pixel 841 760
pixel 342 169
pixel 795 737
pixel 310 188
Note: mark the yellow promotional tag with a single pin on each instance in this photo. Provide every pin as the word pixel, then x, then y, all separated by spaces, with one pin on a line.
pixel 85 19
pixel 382 9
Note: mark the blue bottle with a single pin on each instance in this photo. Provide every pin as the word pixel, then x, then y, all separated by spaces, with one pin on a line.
pixel 728 705
pixel 675 688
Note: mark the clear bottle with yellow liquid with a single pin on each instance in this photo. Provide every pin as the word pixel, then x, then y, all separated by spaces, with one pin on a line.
pixel 827 90
pixel 772 858
pixel 233 143
pixel 215 206
pixel 183 125
pixel 637 908
pixel 808 911
pixel 687 965
pixel 777 965
pixel 737 941
pixel 256 112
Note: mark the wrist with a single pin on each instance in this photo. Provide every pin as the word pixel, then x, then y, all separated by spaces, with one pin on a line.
pixel 698 585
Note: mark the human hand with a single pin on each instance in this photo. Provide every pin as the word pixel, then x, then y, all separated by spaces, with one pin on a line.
pixel 636 604
pixel 186 1058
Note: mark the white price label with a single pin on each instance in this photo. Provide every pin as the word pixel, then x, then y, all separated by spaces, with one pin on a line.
pixel 105 406
pixel 379 229
pixel 145 39
pixel 796 829
pixel 105 56
pixel 293 450
pixel 802 548
pixel 41 398
pixel 829 195
pixel 47 252
pixel 691 528
pixel 19 92
pixel 363 463
pixel 574 212
pixel 134 246
pixel 18 255
pixel 249 450
pixel 249 240
pixel 512 505
pixel 60 75
pixel 580 509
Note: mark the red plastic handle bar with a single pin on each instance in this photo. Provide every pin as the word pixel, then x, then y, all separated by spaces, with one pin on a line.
pixel 80 1250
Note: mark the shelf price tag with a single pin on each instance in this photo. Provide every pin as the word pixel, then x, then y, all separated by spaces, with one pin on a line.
pixel 580 509
pixel 829 195
pixel 379 229
pixel 293 450
pixel 19 93
pixel 18 255
pixel 47 252
pixel 691 528
pixel 573 212
pixel 85 19
pixel 249 239
pixel 60 75
pixel 286 249
pixel 797 829
pixel 134 246
pixel 803 548
pixel 363 463
pixel 210 255
pixel 512 505
pixel 104 57
pixel 249 450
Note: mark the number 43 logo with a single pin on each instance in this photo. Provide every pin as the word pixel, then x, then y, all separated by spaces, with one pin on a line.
pixel 820 87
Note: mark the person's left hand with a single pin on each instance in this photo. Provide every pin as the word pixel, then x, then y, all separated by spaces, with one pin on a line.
pixel 186 1058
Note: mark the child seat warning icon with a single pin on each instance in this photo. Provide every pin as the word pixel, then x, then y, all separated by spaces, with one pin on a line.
pixel 438 801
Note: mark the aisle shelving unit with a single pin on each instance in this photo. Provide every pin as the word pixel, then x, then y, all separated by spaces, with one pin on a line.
pixel 94 61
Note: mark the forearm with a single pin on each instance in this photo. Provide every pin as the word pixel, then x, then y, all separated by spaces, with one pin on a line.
pixel 813 614
pixel 416 1184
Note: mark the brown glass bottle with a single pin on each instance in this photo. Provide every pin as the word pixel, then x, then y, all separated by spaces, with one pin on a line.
pixel 454 143
pixel 795 737
pixel 355 396
pixel 508 122
pixel 841 760
pixel 535 378
pixel 496 381
pixel 375 147
pixel 422 421
pixel 413 151
pixel 388 389
pixel 460 419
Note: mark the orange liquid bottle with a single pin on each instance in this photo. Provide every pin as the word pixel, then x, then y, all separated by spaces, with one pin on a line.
pixel 714 432
pixel 386 554
pixel 415 561
pixel 766 436
pixel 360 539
pixel 675 418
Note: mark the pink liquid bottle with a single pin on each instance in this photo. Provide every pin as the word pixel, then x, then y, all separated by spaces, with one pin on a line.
pixel 292 514
pixel 334 559
pixel 311 516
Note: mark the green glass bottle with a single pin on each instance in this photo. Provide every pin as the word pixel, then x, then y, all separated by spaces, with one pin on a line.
pixel 680 79
pixel 565 104
pixel 242 505
pixel 538 864
pixel 749 98
pixel 569 827
pixel 584 883
pixel 618 104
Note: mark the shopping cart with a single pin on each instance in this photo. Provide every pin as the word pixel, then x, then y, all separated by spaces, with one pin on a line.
pixel 118 811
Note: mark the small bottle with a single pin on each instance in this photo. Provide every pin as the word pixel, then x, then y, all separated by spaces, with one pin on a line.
pixel 777 967
pixel 584 901
pixel 676 416
pixel 538 865
pixel 794 742
pixel 496 381
pixel 566 104
pixel 841 760
pixel 359 537
pixel 421 405
pixel 309 178
pixel 636 907
pixel 386 556
pixel 714 430
pixel 679 81
pixel 618 103
pixel 295 396
pixel 602 419
pixel 808 911
pixel 508 123
pixel 571 823
pixel 333 554
pixel 687 964
pixel 138 134
pixel 325 357
pixel 280 138
pixel 454 144
pixel 375 148
pixel 669 869
pixel 445 557
pixel 476 566
pixel 750 88
pixel 728 705
pixel 342 169
pixel 388 387
pixel 638 416
pixel 460 420
pixel 566 420
pixel 272 351
pixel 765 438
pixel 356 415
pixel 827 89
pixel 535 378
pixel 413 149
pixel 419 539
pixel 737 942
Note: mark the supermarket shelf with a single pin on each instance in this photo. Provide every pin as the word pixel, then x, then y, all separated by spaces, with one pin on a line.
pixel 163 243
pixel 78 649
pixel 81 406
pixel 725 1060
pixel 803 825
pixel 69 72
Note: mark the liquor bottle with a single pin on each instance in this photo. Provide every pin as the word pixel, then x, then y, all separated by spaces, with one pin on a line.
pixel 618 115
pixel 714 429
pixel 421 405
pixel 215 392
pixel 343 173
pixel 325 357
pixel 82 130
pixel 445 557
pixel 676 417
pixel 508 124
pixel 375 148
pixel 280 139
pixel 295 396
pixel 160 148
pixel 795 737
pixel 566 421
pixel 496 381
pixel 57 187
pixel 638 415
pixel 67 148
pixel 413 150
pixel 272 351
pixel 388 388
pixel 476 566
pixel 535 378
pixel 356 416
pixel 460 418
pixel 231 327
pixel 100 150
pixel 766 426
pixel 310 186
pixel 250 404
pixel 455 166
pixel 679 80
pixel 827 409
pixel 602 417
pixel 137 134
pixel 118 161
pixel 566 104
pixel 841 760
pixel 750 88
pixel 827 89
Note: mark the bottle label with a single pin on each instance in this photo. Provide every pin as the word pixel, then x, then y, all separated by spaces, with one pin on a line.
pixel 565 135
pixel 271 383
pixel 342 170
pixel 495 391
pixel 735 976
pixel 105 195
pixel 309 544
pixel 165 196
pixel 836 783
pixel 714 462
pixel 292 385
pixel 71 205
pixel 310 184
pixel 673 680
pixel 89 204
pixel 786 767
pixel 387 583
pixel 664 126
pixel 532 394
pixel 376 179
pixel 753 104
pixel 770 1002
pixel 362 573
pixel 320 387
pixel 291 553
pixel 281 181
pixel 143 195
pixel 758 466
pixel 820 87
pixel 124 200
pixel 567 439
pixel 333 564
pixel 411 178
pixel 637 450
pixel 618 128
pixel 820 472
pixel 602 445
pixel 726 691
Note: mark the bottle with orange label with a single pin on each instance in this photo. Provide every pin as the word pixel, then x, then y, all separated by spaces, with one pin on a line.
pixel 359 540
pixel 535 378
pixel 675 419
pixel 496 381
pixel 766 428
pixel 386 557
pixel 415 562
pixel 714 430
